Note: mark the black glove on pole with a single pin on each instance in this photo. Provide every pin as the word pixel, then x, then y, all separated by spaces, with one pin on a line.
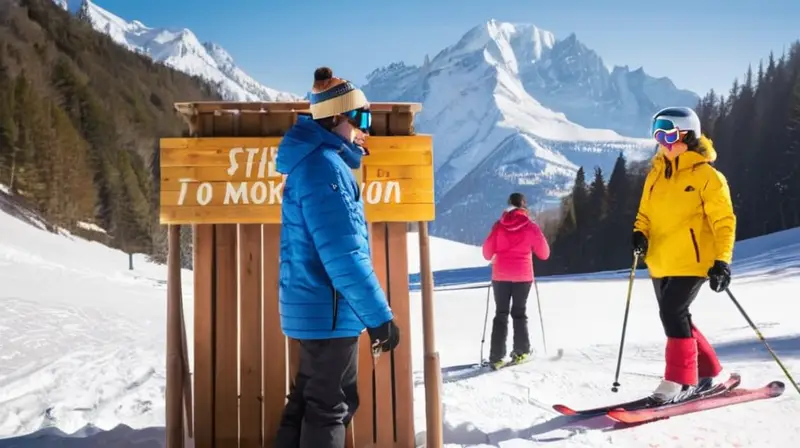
pixel 719 276
pixel 385 337
pixel 639 243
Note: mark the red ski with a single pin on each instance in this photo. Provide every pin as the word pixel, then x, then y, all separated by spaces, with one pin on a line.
pixel 732 382
pixel 734 396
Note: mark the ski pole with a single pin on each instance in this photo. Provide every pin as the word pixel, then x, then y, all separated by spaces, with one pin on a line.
pixel 541 319
pixel 763 340
pixel 485 319
pixel 615 386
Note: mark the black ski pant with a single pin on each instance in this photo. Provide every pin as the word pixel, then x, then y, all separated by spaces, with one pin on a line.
pixel 675 295
pixel 510 298
pixel 323 396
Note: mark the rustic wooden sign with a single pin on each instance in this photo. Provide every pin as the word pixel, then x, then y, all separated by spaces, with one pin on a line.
pixel 226 180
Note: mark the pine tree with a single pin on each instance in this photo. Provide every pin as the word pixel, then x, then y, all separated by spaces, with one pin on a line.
pixel 597 196
pixel 8 126
pixel 618 188
pixel 580 200
pixel 755 130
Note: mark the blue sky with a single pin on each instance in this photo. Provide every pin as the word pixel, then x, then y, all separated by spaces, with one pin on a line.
pixel 699 44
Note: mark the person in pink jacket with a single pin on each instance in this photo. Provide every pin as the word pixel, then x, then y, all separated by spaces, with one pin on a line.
pixel 510 246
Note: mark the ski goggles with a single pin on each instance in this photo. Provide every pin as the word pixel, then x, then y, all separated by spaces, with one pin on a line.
pixel 360 118
pixel 665 132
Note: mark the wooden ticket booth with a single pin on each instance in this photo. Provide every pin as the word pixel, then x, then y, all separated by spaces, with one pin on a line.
pixel 221 180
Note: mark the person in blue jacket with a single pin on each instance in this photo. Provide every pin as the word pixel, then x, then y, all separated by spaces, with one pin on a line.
pixel 329 292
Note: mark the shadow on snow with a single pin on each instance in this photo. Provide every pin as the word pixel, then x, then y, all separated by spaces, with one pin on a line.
pixel 556 429
pixel 754 350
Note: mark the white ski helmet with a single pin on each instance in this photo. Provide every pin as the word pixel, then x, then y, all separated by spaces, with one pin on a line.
pixel 682 118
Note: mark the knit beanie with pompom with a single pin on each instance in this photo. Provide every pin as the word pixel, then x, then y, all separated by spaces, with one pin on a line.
pixel 332 96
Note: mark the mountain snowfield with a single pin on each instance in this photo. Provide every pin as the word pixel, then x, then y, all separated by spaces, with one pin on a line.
pixel 511 108
pixel 493 136
pixel 82 344
pixel 183 51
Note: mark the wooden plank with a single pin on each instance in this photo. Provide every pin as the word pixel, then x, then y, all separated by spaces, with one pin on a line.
pixel 270 192
pixel 259 214
pixel 250 377
pixel 274 347
pixel 192 107
pixel 384 173
pixel 362 419
pixel 395 184
pixel 383 371
pixel 225 144
pixel 203 244
pixel 174 410
pixel 171 175
pixel 237 153
pixel 226 390
pixel 365 434
pixel 401 306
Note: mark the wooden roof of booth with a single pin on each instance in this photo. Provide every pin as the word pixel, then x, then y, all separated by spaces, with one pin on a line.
pixel 198 107
pixel 195 113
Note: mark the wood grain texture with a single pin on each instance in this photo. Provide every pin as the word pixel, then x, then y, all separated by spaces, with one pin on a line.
pixel 226 390
pixel 397 257
pixel 204 293
pixel 250 375
pixel 257 214
pixel 233 179
pixel 275 370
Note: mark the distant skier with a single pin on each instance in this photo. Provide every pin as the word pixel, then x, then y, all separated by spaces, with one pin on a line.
pixel 328 289
pixel 513 240
pixel 686 228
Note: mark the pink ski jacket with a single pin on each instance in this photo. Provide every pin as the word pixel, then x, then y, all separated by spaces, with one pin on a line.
pixel 512 241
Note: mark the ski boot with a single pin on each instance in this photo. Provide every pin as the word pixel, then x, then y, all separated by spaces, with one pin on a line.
pixel 496 365
pixel 519 357
pixel 707 383
pixel 672 392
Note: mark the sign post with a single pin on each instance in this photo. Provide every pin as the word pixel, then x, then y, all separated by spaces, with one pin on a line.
pixel 222 180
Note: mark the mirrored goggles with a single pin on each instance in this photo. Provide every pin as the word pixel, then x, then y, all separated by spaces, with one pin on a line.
pixel 665 132
pixel 360 118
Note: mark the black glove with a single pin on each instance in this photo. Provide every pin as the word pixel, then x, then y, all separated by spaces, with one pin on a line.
pixel 719 276
pixel 639 243
pixel 386 336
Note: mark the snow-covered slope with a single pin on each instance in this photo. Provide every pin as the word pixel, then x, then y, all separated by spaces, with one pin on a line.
pixel 491 135
pixel 513 408
pixel 82 347
pixel 182 50
pixel 447 254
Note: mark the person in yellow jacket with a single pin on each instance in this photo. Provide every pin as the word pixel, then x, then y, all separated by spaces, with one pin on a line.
pixel 685 229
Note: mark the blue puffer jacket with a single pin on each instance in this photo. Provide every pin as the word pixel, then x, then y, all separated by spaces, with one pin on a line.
pixel 328 288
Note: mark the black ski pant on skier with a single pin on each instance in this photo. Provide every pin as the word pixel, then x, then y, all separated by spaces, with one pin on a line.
pixel 323 397
pixel 510 298
pixel 689 356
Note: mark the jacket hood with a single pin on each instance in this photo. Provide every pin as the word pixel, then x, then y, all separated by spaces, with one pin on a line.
pixel 705 153
pixel 515 219
pixel 305 137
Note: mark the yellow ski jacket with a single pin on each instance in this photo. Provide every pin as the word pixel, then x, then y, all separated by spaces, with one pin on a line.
pixel 686 214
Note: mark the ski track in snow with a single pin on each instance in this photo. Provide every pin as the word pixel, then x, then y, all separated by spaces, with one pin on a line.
pixel 82 343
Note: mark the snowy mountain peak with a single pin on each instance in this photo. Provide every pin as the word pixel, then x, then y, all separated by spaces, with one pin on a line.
pixel 512 108
pixel 182 50
pixel 511 44
pixel 219 54
pixel 62 4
